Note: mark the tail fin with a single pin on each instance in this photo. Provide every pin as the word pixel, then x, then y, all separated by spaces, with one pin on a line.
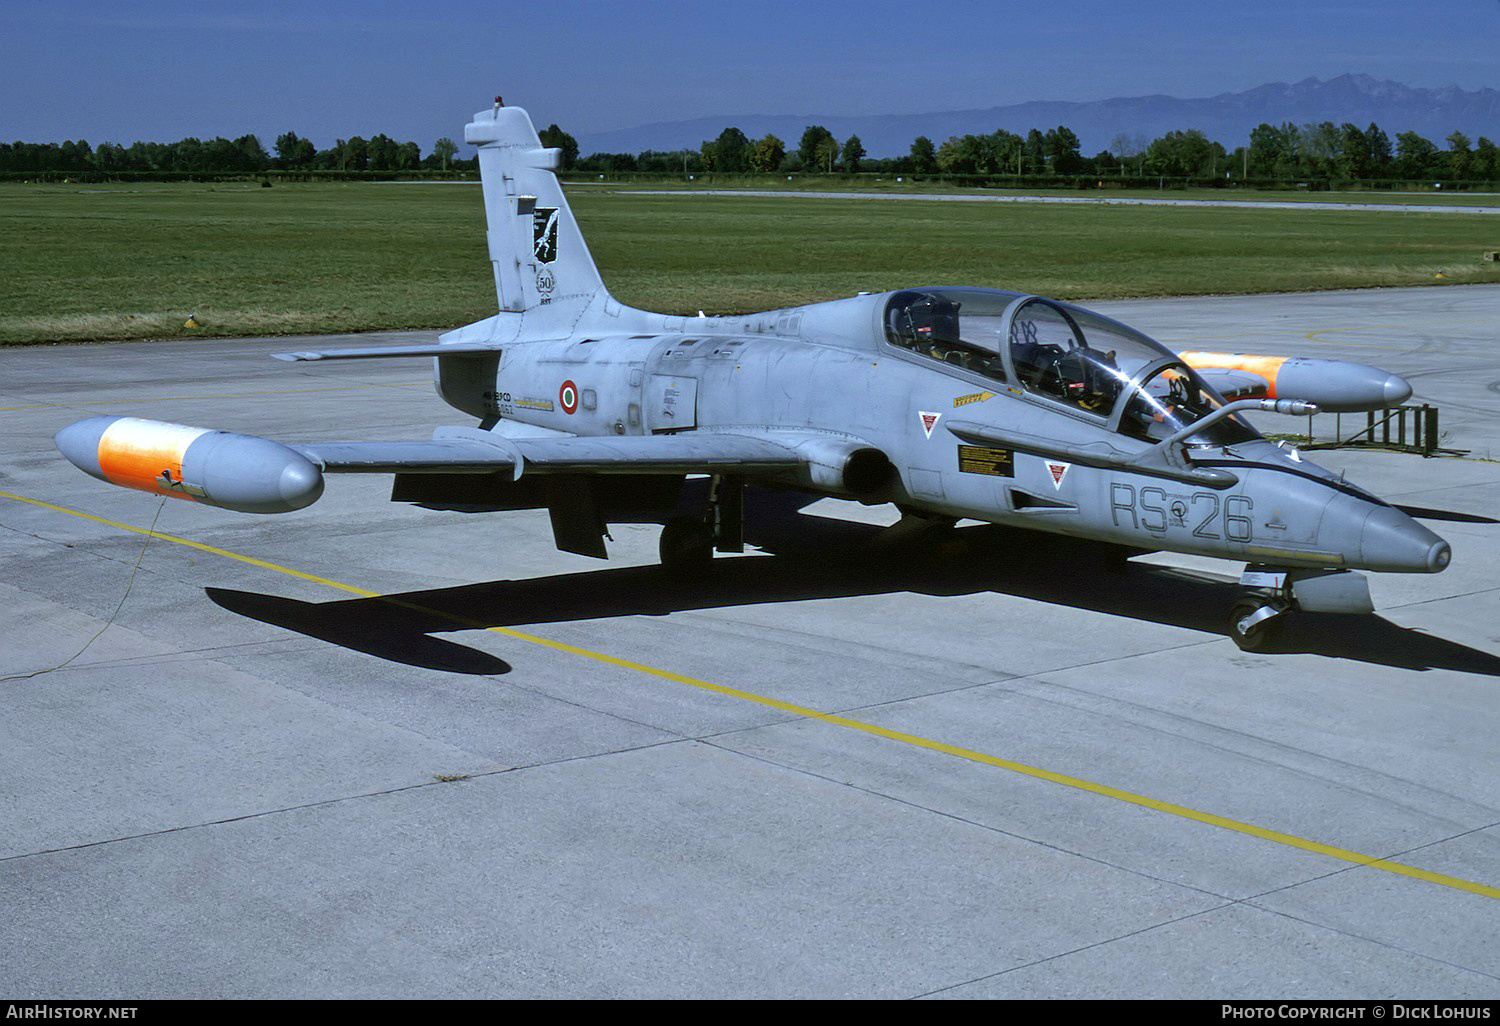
pixel 542 267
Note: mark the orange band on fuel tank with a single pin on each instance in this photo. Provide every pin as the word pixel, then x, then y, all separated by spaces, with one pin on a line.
pixel 1262 366
pixel 146 455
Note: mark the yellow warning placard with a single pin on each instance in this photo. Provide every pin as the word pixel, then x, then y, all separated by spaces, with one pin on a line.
pixel 982 459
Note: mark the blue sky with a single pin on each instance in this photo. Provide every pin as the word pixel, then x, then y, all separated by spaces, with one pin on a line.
pixel 124 70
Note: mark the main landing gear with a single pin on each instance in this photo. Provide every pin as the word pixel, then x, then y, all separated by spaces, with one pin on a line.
pixel 688 543
pixel 1257 618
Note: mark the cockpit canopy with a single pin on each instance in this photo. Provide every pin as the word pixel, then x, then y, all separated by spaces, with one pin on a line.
pixel 1063 353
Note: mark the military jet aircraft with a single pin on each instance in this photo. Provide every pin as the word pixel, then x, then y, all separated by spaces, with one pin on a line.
pixel 949 402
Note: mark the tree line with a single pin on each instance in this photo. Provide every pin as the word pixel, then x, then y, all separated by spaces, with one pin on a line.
pixel 1317 152
pixel 245 155
pixel 1322 151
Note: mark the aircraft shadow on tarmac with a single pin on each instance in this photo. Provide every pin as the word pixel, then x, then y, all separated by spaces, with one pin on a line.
pixel 1423 513
pixel 817 558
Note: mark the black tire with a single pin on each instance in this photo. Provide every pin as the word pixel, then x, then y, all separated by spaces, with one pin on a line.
pixel 1116 560
pixel 1261 635
pixel 687 545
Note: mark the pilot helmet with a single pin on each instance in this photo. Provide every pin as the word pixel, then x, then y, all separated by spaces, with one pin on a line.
pixel 933 318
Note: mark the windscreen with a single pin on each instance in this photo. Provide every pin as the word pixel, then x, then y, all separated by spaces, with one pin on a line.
pixel 1080 359
pixel 1100 366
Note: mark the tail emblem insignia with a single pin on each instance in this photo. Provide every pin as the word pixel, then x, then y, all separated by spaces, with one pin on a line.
pixel 544 234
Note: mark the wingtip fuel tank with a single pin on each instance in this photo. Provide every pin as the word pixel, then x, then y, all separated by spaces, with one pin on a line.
pixel 1336 386
pixel 217 468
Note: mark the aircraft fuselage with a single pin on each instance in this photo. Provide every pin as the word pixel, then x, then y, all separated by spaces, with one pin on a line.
pixel 1276 507
pixel 949 402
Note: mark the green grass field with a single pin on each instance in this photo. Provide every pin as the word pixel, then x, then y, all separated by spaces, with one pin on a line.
pixel 116 262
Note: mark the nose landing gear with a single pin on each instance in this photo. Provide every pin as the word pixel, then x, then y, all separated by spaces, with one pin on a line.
pixel 1255 623
pixel 1256 619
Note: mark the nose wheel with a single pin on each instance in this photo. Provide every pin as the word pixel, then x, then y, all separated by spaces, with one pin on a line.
pixel 1255 622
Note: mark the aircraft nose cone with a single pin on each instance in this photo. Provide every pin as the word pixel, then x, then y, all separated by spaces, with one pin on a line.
pixel 1396 390
pixel 1394 542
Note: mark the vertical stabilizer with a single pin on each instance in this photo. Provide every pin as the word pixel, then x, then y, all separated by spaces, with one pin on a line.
pixel 542 267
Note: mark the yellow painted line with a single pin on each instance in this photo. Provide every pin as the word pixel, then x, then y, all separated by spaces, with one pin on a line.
pixel 968 754
pixel 251 560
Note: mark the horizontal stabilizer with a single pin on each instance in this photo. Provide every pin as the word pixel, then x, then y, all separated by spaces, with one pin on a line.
pixel 379 352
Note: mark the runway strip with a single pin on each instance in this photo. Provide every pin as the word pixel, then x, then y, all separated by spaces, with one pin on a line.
pixel 1181 811
pixel 231 395
pixel 1110 201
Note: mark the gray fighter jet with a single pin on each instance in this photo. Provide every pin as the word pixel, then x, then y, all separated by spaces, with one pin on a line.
pixel 949 402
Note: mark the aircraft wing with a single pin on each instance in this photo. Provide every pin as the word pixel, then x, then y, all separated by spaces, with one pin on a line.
pixel 461 467
pixel 454 450
pixel 458 468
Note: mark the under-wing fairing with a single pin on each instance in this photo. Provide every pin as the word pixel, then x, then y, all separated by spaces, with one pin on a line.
pixel 948 402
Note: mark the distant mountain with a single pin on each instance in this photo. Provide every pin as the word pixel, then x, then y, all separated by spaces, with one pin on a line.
pixel 1227 118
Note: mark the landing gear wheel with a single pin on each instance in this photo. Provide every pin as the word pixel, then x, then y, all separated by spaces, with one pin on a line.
pixel 1258 636
pixel 687 545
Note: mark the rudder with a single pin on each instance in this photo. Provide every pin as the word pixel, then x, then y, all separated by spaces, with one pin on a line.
pixel 542 266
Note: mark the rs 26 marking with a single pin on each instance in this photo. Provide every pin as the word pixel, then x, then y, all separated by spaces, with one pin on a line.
pixel 1204 514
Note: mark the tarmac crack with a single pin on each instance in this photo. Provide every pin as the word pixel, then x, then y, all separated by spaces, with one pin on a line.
pixel 1231 903
pixel 810 641
pixel 1407 952
pixel 955 817
pixel 244 817
pixel 1247 739
pixel 341 799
